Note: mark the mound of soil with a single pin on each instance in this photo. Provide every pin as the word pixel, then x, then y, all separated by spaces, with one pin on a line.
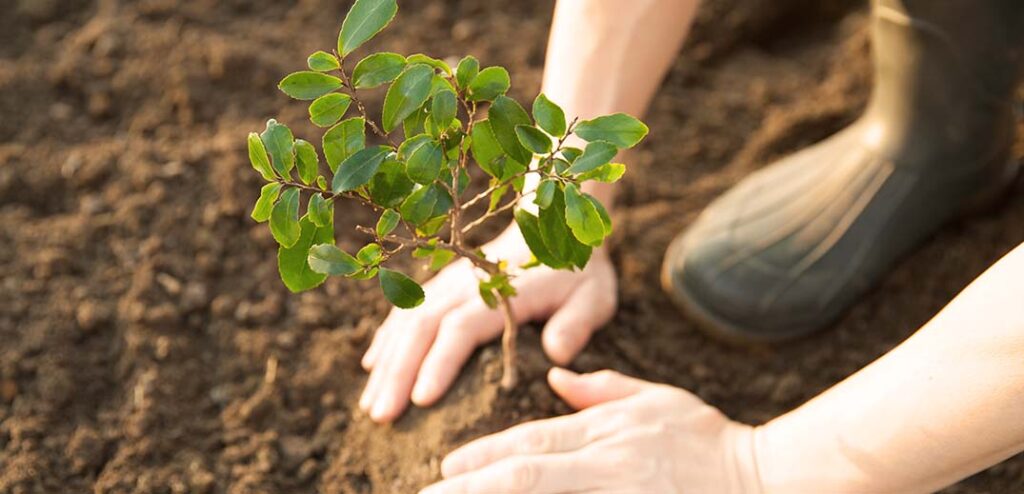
pixel 149 346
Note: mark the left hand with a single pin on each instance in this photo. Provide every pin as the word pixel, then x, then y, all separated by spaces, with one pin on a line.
pixel 631 436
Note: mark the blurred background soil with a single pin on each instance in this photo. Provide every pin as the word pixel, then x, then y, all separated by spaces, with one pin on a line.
pixel 147 344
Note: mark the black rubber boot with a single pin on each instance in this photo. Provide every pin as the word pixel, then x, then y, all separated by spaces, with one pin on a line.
pixel 790 248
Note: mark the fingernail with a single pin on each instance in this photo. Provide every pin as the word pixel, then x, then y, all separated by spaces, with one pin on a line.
pixel 560 373
pixel 451 466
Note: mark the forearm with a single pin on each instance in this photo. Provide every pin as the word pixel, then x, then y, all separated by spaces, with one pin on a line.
pixel 608 56
pixel 946 403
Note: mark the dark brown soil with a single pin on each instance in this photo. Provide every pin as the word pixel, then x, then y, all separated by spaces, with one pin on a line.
pixel 148 345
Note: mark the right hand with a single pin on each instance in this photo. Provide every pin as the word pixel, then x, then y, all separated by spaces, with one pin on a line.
pixel 416 354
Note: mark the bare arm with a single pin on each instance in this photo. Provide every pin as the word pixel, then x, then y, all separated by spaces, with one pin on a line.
pixel 946 403
pixel 607 56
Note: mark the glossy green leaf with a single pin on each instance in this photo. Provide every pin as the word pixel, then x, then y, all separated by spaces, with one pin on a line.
pixel 265 204
pixel 485 147
pixel 529 226
pixel 343 140
pixel 414 124
pixel 620 129
pixel 443 108
pixel 431 226
pixel 390 186
pixel 496 196
pixel 400 290
pixel 424 164
pixel 609 173
pixel 258 157
pixel 411 144
pixel 322 61
pixel 505 114
pixel 359 168
pixel 377 69
pixel 606 218
pixel 293 262
pixel 570 153
pixel 419 206
pixel 441 258
pixel 582 217
pixel 549 116
pixel 307 85
pixel 284 218
pixel 489 84
pixel 430 61
pixel 370 254
pixel 409 91
pixel 320 210
pixel 533 139
pixel 330 260
pixel 557 235
pixel 364 20
pixel 326 110
pixel 545 193
pixel 387 222
pixel 596 154
pixel 278 140
pixel 307 161
pixel 466 71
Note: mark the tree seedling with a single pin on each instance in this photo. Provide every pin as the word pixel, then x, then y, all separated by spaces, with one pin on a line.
pixel 417 185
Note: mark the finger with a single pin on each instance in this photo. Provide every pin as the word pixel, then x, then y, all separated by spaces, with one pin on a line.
pixel 554 435
pixel 460 332
pixel 569 328
pixel 408 330
pixel 439 298
pixel 586 390
pixel 536 474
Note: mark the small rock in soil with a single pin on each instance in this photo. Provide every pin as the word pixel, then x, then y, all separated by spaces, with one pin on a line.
pixel 90 315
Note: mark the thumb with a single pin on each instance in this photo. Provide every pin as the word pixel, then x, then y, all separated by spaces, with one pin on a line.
pixel 571 326
pixel 586 390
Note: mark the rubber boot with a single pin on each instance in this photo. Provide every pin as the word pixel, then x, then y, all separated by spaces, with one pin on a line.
pixel 789 249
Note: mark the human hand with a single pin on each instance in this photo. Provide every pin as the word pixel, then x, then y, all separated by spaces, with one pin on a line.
pixel 631 437
pixel 416 354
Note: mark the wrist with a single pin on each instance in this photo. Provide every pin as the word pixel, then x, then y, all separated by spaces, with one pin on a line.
pixel 741 459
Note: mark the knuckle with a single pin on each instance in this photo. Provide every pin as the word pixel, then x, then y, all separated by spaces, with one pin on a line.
pixel 535 441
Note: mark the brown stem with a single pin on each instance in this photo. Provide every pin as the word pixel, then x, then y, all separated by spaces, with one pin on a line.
pixel 509 372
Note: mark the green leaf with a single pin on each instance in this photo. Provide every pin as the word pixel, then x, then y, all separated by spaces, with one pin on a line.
pixel 505 114
pixel 487 293
pixel 278 140
pixel 390 186
pixel 619 129
pixel 364 20
pixel 549 116
pixel 258 157
pixel 330 260
pixel 343 140
pixel 400 290
pixel 489 84
pixel 571 154
pixel 431 226
pixel 431 61
pixel 322 61
pixel 596 154
pixel 293 262
pixel 321 182
pixel 485 147
pixel 582 217
pixel 496 196
pixel 387 222
pixel 326 110
pixel 441 258
pixel 365 274
pixel 529 227
pixel 443 109
pixel 606 218
pixel 284 218
pixel 467 70
pixel 409 91
pixel 307 85
pixel 424 164
pixel 359 168
pixel 320 210
pixel 412 144
pixel 414 124
pixel 370 254
pixel 609 173
pixel 558 236
pixel 268 195
pixel 545 193
pixel 307 161
pixel 377 69
pixel 533 139
pixel 419 206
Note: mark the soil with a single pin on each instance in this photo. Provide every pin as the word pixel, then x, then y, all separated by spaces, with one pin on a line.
pixel 149 346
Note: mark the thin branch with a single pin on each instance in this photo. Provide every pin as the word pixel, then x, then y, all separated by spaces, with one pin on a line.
pixel 347 84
